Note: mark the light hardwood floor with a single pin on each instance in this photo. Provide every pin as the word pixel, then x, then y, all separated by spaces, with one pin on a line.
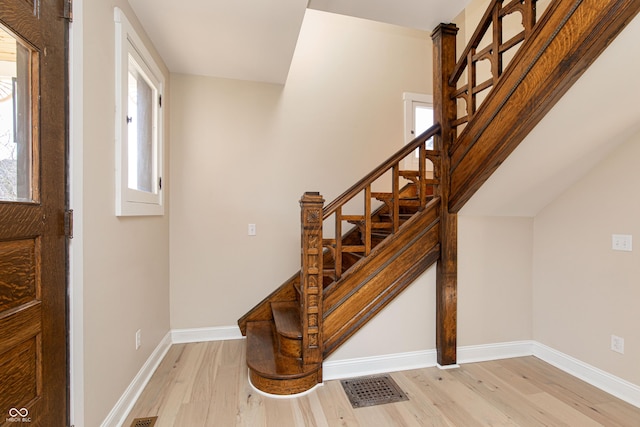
pixel 205 384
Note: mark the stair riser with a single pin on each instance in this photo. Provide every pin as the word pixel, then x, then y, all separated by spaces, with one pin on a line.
pixel 290 347
pixel 284 387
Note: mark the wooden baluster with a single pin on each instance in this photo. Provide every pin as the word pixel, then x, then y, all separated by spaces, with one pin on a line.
pixel 338 233
pixel 367 220
pixel 471 96
pixel 311 277
pixel 422 168
pixel 396 198
pixel 529 18
pixel 496 56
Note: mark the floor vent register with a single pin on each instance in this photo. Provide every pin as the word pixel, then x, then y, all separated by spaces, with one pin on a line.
pixel 372 390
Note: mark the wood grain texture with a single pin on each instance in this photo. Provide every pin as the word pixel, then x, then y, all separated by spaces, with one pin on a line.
pixel 42 319
pixel 19 273
pixel 569 37
pixel 205 384
pixel 19 374
pixel 444 61
pixel 274 372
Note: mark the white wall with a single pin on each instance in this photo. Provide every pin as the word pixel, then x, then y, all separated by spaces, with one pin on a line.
pixel 245 152
pixel 583 290
pixel 121 265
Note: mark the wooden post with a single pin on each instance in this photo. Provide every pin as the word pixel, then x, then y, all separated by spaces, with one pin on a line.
pixel 311 278
pixel 444 61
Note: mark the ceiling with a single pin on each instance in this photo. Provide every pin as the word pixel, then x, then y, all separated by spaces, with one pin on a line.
pixel 255 39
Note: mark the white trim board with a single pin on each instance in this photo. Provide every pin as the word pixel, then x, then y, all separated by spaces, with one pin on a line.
pixel 349 368
pixel 124 405
pixel 221 333
pixel 605 381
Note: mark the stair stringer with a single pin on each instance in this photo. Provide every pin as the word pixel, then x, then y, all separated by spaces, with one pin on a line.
pixel 374 282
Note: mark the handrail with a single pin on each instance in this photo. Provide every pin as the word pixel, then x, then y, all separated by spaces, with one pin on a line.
pixel 359 186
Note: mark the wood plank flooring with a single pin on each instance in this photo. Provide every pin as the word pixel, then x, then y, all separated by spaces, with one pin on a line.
pixel 205 384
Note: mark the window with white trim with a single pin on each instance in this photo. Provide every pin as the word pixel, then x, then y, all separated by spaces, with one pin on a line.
pixel 139 125
pixel 418 117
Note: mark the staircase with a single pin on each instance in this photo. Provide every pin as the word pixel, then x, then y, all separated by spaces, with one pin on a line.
pixel 364 248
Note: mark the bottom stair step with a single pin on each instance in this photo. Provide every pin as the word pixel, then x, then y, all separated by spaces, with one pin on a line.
pixel 272 372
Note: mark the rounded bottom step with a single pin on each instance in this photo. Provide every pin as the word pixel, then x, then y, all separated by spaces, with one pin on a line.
pixel 285 386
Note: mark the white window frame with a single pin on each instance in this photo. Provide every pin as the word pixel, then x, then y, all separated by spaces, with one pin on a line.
pixel 129 46
pixel 410 100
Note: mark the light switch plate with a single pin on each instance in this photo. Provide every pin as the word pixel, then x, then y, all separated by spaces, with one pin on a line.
pixel 622 242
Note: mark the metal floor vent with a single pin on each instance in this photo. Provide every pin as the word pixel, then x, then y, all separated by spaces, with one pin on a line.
pixel 372 390
pixel 144 422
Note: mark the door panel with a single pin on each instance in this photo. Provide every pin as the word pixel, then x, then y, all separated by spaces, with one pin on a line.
pixel 33 250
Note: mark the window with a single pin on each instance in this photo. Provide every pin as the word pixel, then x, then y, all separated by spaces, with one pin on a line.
pixel 418 117
pixel 139 125
pixel 19 168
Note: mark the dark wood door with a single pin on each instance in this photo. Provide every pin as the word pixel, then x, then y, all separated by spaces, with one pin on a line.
pixel 33 250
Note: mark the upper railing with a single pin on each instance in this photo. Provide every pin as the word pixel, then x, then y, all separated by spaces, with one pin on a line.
pixel 490 47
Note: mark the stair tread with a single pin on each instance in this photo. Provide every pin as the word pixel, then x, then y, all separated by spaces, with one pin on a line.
pixel 286 317
pixel 263 357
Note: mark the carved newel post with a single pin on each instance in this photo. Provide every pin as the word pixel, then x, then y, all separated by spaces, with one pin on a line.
pixel 311 277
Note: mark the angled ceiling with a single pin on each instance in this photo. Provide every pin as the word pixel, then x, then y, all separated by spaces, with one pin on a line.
pixel 255 39
pixel 419 14
pixel 236 39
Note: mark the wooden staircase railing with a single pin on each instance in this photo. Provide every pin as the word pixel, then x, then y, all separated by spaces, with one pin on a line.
pixel 316 281
pixel 363 187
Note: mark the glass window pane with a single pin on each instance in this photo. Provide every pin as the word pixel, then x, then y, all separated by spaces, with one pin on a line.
pixel 423 121
pixel 140 116
pixel 16 145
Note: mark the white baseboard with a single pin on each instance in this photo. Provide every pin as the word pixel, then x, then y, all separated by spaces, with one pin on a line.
pixel 349 368
pixel 181 336
pixel 496 351
pixel 358 367
pixel 119 412
pixel 613 385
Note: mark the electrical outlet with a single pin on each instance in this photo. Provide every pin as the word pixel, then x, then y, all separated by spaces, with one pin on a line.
pixel 617 344
pixel 138 338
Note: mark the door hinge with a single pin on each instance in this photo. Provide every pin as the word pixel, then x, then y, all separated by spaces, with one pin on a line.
pixel 68 224
pixel 68 10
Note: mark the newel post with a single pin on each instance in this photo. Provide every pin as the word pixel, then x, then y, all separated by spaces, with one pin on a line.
pixel 444 109
pixel 311 277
